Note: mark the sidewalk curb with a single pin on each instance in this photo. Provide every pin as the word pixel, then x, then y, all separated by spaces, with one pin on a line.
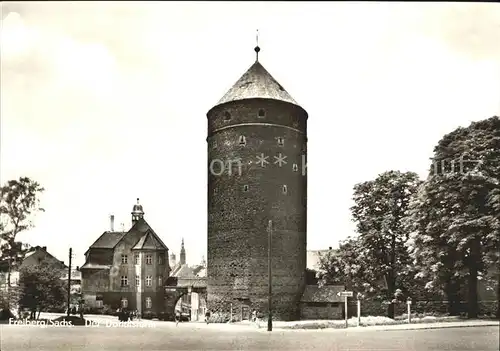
pixel 446 326
pixel 395 327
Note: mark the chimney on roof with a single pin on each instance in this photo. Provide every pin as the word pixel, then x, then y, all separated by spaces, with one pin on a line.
pixel 112 223
pixel 44 248
pixel 77 268
pixel 330 248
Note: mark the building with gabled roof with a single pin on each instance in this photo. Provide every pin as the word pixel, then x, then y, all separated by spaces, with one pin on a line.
pixel 126 269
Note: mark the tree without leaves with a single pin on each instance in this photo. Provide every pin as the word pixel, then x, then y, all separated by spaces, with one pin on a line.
pixel 41 287
pixel 19 200
pixel 455 219
pixel 379 210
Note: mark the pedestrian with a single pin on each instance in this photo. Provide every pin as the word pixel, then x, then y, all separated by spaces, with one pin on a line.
pixel 177 317
pixel 254 316
pixel 207 316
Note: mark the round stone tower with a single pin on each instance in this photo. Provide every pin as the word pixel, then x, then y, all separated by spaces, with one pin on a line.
pixel 257 137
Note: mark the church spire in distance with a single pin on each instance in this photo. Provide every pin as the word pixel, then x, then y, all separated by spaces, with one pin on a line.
pixel 257 48
pixel 183 253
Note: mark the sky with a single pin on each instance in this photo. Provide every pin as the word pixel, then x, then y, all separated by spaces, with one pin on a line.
pixel 103 103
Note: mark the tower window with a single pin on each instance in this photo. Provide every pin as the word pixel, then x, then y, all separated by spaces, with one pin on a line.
pixel 160 280
pixel 124 280
pixel 262 113
pixel 242 140
pixel 227 116
pixel 149 259
pixel 124 259
pixel 149 303
pixel 295 167
pixel 281 141
pixel 149 280
pixel 124 302
pixel 285 189
pixel 161 258
pixel 245 188
pixel 136 259
pixel 137 280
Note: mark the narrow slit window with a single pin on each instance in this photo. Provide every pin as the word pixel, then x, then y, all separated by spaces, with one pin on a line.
pixel 285 189
pixel 281 141
pixel 245 188
pixel 262 113
pixel 242 140
pixel 295 167
pixel 214 145
pixel 227 116
pixel 216 190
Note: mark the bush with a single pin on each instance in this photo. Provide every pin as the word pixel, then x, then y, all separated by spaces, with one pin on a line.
pixel 164 316
pixel 107 310
pixel 149 315
pixel 218 317
pixel 488 308
pixel 6 314
pixel 74 320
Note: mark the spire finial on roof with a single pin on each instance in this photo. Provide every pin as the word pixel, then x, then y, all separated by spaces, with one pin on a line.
pixel 257 48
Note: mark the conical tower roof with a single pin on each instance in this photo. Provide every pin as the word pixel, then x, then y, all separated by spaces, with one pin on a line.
pixel 257 83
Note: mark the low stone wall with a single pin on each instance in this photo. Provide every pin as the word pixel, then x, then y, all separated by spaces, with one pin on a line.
pixel 317 312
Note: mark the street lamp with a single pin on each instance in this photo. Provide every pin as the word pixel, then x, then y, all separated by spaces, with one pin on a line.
pixel 269 272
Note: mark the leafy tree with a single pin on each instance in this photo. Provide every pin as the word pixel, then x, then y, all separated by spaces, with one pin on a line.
pixel 19 200
pixel 455 218
pixel 380 208
pixel 41 287
pixel 346 266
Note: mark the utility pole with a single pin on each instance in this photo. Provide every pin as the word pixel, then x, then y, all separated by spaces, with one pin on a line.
pixel 269 261
pixel 69 279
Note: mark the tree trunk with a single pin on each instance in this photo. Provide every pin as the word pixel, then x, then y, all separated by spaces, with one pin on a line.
pixel 473 263
pixel 391 289
pixel 391 279
pixel 452 296
pixel 498 299
pixel 8 285
pixel 390 310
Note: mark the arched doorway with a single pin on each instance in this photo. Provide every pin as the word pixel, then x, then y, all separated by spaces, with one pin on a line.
pixel 191 306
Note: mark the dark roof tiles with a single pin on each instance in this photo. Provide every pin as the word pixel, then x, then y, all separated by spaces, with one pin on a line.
pixel 107 240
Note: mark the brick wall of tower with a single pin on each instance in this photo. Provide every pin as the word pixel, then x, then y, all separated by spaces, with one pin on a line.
pixel 237 219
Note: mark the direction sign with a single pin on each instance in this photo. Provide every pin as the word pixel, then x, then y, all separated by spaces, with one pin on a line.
pixel 345 293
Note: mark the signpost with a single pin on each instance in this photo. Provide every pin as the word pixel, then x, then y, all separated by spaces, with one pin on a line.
pixel 345 295
pixel 269 272
pixel 69 281
pixel 408 302
pixel 358 297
